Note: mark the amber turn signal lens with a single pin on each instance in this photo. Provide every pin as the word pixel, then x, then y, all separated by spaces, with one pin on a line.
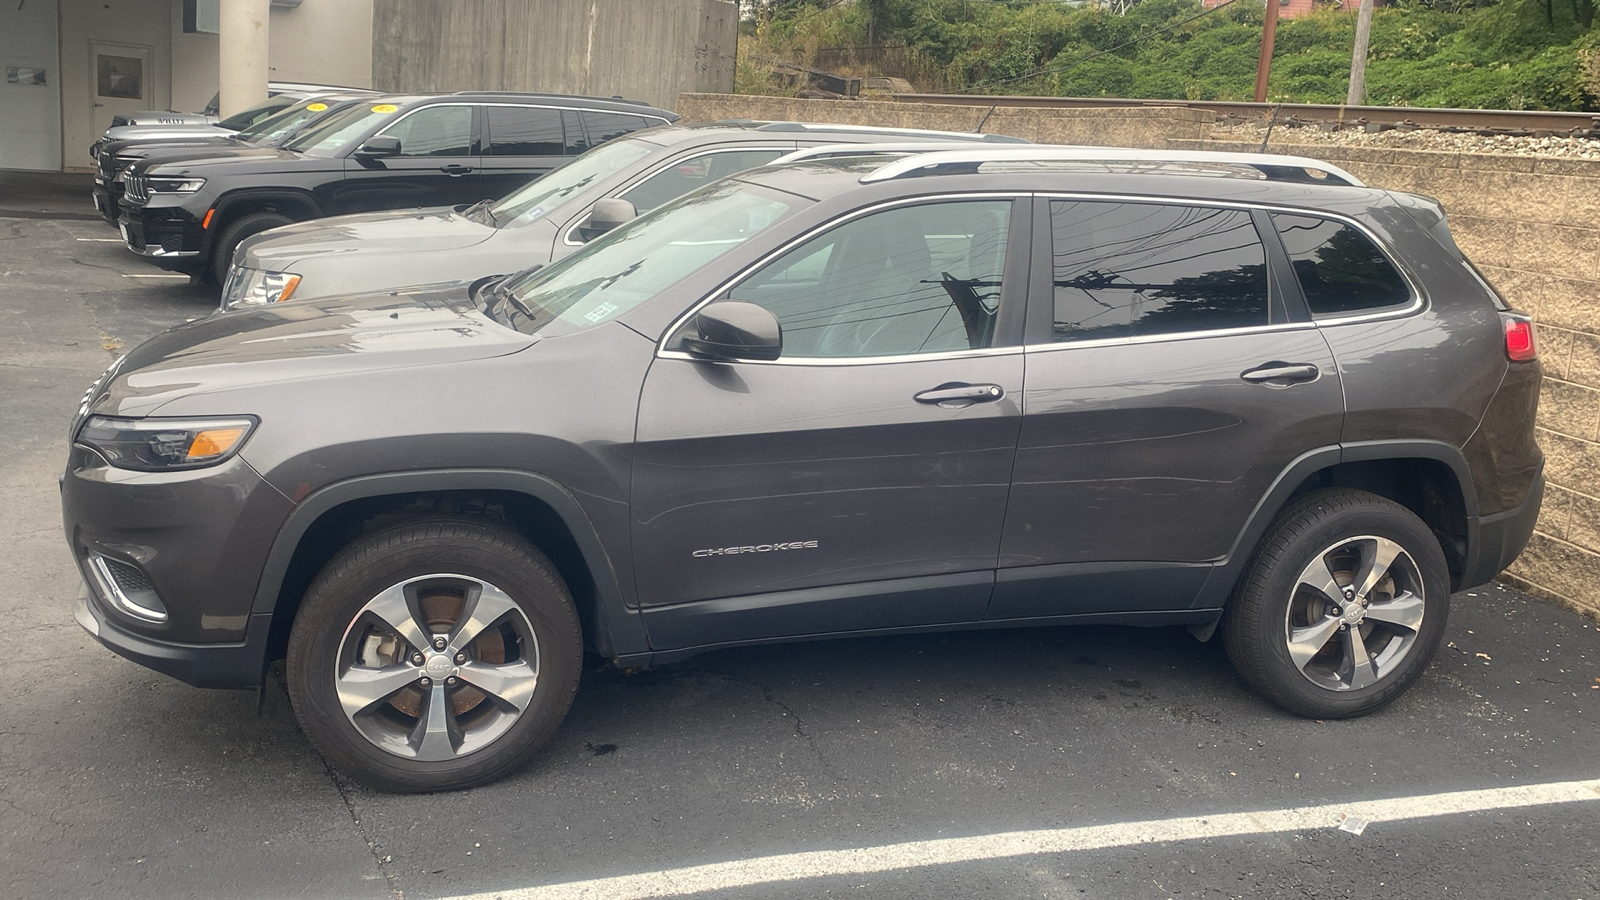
pixel 214 442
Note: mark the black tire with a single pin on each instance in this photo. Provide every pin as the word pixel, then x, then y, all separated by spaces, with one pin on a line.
pixel 1277 617
pixel 343 644
pixel 234 234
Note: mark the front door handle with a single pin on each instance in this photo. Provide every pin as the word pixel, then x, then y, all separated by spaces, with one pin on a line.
pixel 454 170
pixel 1281 374
pixel 957 395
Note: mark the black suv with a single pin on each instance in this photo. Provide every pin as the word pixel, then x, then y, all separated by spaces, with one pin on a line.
pixel 113 156
pixel 981 388
pixel 538 222
pixel 398 151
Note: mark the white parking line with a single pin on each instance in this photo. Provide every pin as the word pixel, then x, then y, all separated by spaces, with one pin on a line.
pixel 918 854
pixel 159 275
pixel 100 240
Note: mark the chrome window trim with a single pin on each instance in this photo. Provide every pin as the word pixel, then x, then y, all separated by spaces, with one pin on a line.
pixel 566 237
pixel 663 353
pixel 1170 336
pixel 849 360
pixel 1417 304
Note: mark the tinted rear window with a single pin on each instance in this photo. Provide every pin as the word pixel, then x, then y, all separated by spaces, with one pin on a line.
pixel 525 131
pixel 1339 268
pixel 605 126
pixel 1135 269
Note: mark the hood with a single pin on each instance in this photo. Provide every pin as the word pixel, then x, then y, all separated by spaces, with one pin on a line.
pixel 389 232
pixel 421 326
pixel 143 158
pixel 247 161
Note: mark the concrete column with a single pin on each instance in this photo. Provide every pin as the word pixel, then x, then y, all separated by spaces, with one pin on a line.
pixel 242 54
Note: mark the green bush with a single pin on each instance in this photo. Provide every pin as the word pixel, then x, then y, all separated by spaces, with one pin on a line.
pixel 1514 54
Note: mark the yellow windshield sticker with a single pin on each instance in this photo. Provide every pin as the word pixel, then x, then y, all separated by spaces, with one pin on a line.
pixel 385 108
pixel 316 107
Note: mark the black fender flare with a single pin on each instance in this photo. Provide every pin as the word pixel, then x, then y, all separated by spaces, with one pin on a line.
pixel 620 631
pixel 222 210
pixel 1219 585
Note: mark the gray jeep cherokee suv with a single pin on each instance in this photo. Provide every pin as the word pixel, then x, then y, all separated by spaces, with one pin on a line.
pixel 997 387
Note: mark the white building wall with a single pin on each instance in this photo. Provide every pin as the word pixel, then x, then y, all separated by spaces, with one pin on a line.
pixel 136 23
pixel 30 137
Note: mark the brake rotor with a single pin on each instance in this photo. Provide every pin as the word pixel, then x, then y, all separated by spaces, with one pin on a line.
pixel 441 609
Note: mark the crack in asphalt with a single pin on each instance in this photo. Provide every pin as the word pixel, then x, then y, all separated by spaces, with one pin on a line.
pixel 348 797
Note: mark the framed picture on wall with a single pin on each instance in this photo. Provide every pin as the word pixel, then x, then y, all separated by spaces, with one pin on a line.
pixel 119 76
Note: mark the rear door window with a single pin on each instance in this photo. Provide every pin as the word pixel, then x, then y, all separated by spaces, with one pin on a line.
pixel 1339 269
pixel 1126 270
pixel 525 131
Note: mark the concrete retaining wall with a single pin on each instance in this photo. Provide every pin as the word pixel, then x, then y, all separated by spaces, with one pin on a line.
pixel 1140 127
pixel 648 51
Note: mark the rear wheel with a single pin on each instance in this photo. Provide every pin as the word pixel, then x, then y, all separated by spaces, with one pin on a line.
pixel 433 656
pixel 1343 606
pixel 234 234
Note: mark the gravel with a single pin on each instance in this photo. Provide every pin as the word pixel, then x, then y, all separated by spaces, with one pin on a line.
pixel 1574 148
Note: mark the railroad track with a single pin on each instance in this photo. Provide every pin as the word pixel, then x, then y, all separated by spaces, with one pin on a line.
pixel 1326 115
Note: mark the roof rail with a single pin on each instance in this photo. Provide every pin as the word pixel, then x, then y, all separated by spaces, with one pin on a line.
pixel 892 132
pixel 1271 165
pixel 901 148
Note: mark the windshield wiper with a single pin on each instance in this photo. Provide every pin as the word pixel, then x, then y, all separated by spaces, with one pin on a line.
pixel 483 207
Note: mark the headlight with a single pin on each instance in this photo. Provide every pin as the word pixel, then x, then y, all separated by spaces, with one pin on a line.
pixel 252 287
pixel 168 184
pixel 161 445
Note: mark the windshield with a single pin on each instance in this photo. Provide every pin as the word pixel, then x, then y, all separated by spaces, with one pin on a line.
pixel 329 136
pixel 539 197
pixel 641 259
pixel 286 122
pixel 251 115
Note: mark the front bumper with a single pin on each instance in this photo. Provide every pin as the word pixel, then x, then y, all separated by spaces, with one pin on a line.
pixel 238 665
pixel 169 243
pixel 190 544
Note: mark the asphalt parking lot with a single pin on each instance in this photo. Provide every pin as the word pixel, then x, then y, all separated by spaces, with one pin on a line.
pixel 1069 762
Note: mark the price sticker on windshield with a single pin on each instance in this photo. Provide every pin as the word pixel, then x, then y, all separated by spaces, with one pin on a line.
pixel 316 107
pixel 385 108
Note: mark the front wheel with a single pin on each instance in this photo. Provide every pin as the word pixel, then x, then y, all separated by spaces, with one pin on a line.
pixel 1343 606
pixel 233 235
pixel 434 655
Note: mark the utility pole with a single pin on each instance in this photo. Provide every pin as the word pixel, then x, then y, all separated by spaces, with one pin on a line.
pixel 1269 34
pixel 1358 58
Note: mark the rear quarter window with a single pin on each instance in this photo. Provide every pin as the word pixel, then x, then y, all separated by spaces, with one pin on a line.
pixel 1340 269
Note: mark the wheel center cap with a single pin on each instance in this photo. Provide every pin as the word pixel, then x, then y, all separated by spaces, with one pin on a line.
pixel 1353 614
pixel 439 665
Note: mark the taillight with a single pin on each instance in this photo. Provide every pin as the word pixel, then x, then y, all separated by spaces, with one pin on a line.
pixel 1520 345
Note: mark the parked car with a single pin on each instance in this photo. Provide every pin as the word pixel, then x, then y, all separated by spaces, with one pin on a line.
pixel 538 222
pixel 115 156
pixel 166 125
pixel 399 151
pixel 793 404
pixel 210 115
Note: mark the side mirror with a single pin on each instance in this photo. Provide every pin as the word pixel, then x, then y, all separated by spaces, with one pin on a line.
pixel 379 146
pixel 606 215
pixel 732 330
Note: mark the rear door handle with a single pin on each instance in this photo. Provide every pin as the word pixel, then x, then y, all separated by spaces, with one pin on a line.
pixel 453 170
pixel 1281 374
pixel 956 395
